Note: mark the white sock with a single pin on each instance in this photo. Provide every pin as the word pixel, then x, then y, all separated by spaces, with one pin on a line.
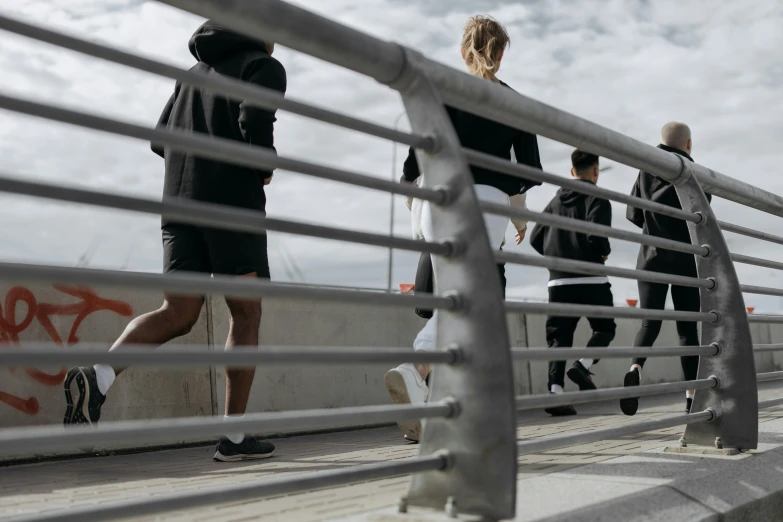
pixel 236 438
pixel 556 388
pixel 105 376
pixel 637 368
pixel 587 363
pixel 690 394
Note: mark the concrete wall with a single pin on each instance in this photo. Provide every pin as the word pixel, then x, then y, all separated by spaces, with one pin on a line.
pixel 298 323
pixel 68 315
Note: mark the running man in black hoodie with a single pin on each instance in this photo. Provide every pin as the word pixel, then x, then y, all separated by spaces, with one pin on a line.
pixel 187 248
pixel 675 138
pixel 566 287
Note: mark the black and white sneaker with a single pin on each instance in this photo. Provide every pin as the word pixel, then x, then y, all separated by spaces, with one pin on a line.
pixel 83 399
pixel 631 405
pixel 580 376
pixel 688 404
pixel 250 448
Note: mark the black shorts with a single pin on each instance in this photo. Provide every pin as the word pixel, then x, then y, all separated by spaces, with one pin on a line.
pixel 213 251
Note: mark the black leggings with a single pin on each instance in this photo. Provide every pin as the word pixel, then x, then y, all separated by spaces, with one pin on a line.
pixel 425 281
pixel 686 299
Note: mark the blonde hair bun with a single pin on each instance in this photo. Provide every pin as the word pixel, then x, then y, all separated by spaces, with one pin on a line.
pixel 483 42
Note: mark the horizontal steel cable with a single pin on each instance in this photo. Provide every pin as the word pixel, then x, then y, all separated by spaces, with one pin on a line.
pixel 231 88
pixel 526 447
pixel 762 290
pixel 572 310
pixel 46 439
pixel 769 403
pixel 765 319
pixel 770 376
pixel 585 227
pixel 519 170
pixel 749 232
pixel 200 284
pixel 32 354
pixel 584 267
pixel 218 149
pixel 205 496
pixel 767 347
pixel 531 402
pixel 556 354
pixel 756 261
pixel 213 215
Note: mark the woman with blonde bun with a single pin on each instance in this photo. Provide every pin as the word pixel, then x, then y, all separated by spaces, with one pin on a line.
pixel 484 42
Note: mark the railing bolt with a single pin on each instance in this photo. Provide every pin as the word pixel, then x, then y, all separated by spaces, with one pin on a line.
pixel 402 505
pixel 451 507
pixel 718 443
pixel 683 443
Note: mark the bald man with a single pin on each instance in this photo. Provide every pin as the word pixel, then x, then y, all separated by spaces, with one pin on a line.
pixel 675 138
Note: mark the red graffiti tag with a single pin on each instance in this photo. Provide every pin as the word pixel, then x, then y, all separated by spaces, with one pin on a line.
pixel 89 303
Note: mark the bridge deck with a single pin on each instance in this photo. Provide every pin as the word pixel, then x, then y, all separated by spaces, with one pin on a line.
pixel 54 485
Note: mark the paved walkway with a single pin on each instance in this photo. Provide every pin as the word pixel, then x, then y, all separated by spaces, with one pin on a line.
pixel 33 488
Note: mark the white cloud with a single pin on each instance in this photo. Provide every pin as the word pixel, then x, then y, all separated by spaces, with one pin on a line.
pixel 628 65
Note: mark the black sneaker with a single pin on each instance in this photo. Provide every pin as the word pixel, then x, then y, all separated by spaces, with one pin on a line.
pixel 688 404
pixel 82 397
pixel 561 411
pixel 630 406
pixel 580 376
pixel 249 448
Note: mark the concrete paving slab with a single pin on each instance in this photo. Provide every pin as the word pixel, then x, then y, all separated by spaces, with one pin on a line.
pixel 626 479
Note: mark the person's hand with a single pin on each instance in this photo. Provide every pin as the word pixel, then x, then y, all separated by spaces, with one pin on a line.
pixel 520 236
pixel 605 257
pixel 268 180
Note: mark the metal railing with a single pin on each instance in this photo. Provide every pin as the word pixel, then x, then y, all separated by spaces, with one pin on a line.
pixel 462 462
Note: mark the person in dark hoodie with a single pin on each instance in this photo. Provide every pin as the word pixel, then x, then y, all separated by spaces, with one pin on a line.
pixel 188 248
pixel 484 41
pixel 566 287
pixel 675 138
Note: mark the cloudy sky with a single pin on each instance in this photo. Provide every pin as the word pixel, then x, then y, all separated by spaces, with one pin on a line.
pixel 630 65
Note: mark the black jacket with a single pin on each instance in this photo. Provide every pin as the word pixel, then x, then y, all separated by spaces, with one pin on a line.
pixel 655 189
pixel 220 51
pixel 559 242
pixel 493 138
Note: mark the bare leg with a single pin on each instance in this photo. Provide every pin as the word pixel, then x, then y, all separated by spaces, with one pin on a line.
pixel 175 318
pixel 245 322
pixel 86 387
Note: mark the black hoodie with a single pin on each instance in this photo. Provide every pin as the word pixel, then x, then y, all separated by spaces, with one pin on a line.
pixel 653 188
pixel 220 51
pixel 493 138
pixel 559 242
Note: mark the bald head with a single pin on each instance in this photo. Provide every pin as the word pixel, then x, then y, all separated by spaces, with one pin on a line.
pixel 677 135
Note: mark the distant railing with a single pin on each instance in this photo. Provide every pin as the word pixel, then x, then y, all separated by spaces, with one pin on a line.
pixel 469 448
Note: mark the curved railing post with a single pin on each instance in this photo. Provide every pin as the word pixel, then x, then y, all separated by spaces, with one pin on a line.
pixel 735 400
pixel 482 437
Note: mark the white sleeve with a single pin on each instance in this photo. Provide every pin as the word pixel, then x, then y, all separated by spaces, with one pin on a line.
pixel 519 201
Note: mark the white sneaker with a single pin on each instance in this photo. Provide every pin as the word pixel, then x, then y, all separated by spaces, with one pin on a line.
pixel 406 386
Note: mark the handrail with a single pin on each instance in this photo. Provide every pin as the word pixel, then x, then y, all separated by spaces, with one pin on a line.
pixel 384 61
pixel 197 284
pixel 556 221
pixel 584 267
pixel 472 384
pixel 229 87
pixel 45 439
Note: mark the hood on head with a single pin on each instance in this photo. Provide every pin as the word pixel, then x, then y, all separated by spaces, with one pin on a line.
pixel 212 43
